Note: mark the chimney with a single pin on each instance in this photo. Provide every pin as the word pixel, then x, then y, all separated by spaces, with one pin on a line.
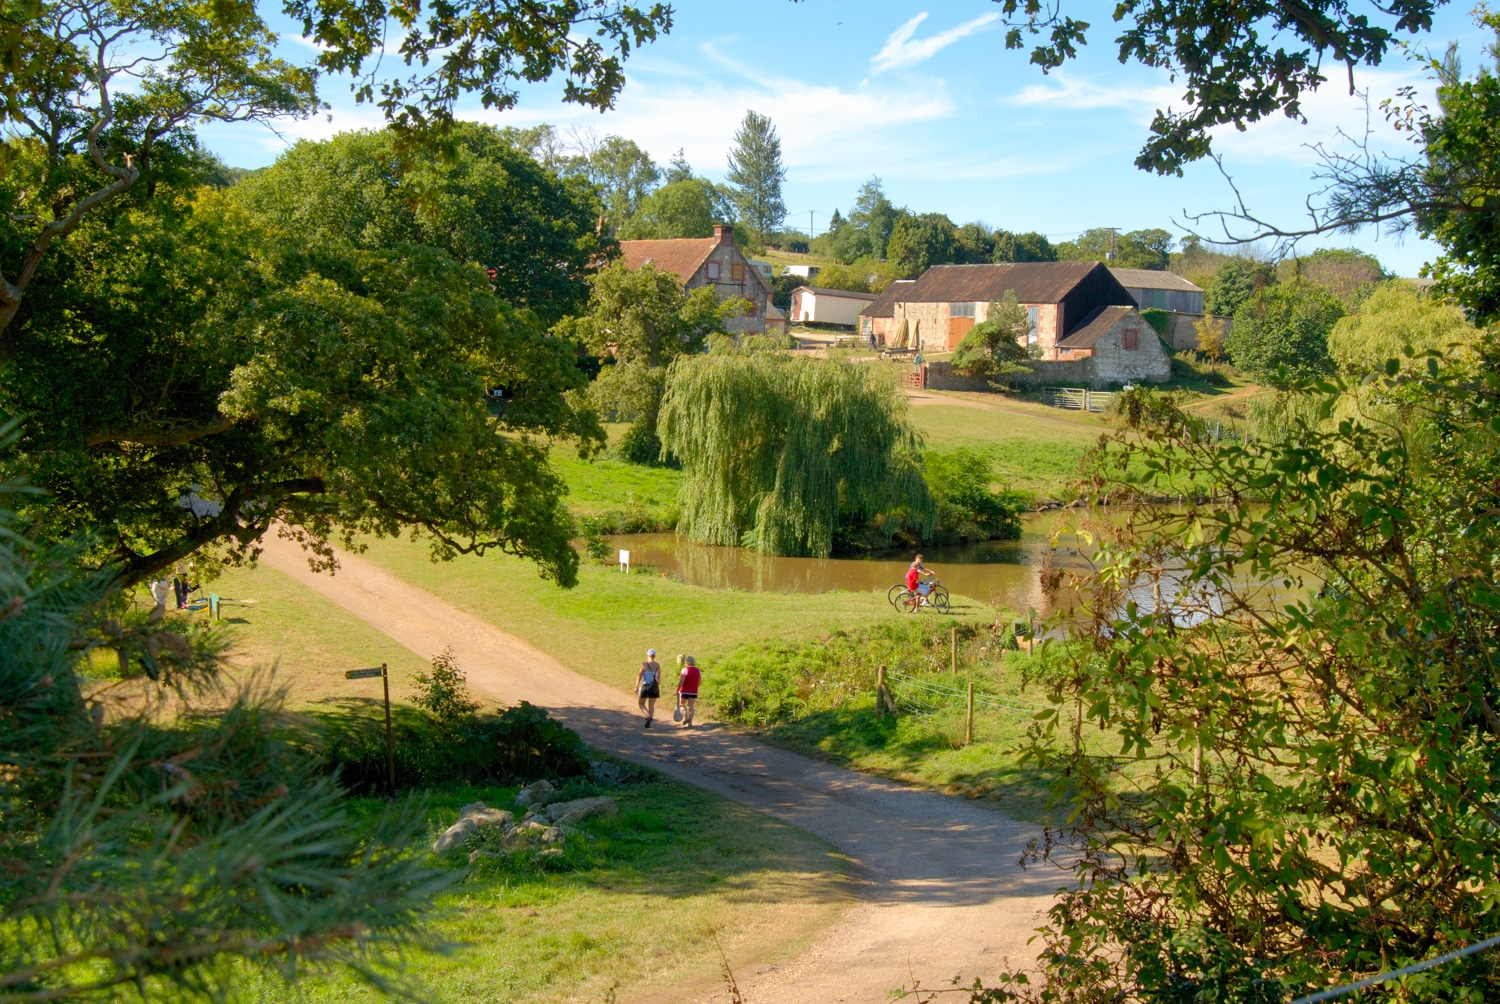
pixel 722 230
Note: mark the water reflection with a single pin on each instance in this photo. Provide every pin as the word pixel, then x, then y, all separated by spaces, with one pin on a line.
pixel 1002 573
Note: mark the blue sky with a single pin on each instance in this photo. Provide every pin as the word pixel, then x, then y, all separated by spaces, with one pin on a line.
pixel 927 97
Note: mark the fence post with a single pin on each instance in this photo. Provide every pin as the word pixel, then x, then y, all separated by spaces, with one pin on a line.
pixel 969 717
pixel 1085 399
pixel 390 744
pixel 880 692
pixel 953 663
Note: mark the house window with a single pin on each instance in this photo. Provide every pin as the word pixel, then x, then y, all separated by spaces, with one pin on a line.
pixel 711 270
pixel 961 309
pixel 1033 318
pixel 737 271
pixel 1131 341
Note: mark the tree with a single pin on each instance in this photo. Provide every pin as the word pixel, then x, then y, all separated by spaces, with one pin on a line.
pixel 679 209
pixel 1236 66
pixel 974 244
pixel 679 169
pixel 1348 274
pixel 1148 249
pixel 919 242
pixel 1306 723
pixel 1031 246
pixel 756 172
pixel 639 321
pixel 1285 325
pixel 339 391
pixel 777 452
pixel 147 844
pixel 865 275
pixel 869 226
pixel 80 87
pixel 623 173
pixel 1233 283
pixel 1393 319
pixel 995 348
pixel 482 203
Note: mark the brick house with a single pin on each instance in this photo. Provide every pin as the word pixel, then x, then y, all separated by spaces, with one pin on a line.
pixel 938 309
pixel 709 261
pixel 878 318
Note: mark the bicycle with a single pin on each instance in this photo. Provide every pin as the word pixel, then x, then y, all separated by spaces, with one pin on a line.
pixel 910 600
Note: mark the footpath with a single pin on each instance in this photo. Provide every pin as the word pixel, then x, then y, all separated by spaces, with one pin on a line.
pixel 941 892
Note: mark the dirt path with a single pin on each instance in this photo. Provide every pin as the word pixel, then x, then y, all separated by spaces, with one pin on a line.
pixel 926 398
pixel 942 893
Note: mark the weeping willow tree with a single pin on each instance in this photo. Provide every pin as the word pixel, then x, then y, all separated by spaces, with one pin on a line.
pixel 778 451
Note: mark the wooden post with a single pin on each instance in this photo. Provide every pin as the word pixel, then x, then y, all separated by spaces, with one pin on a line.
pixel 880 692
pixel 390 743
pixel 969 717
pixel 1030 633
pixel 953 662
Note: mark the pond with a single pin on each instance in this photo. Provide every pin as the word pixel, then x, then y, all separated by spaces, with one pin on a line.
pixel 1001 573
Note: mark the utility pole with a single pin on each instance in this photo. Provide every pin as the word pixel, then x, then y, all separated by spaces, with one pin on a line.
pixel 811 232
pixel 1111 255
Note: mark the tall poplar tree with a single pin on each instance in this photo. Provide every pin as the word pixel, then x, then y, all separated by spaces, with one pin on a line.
pixel 756 172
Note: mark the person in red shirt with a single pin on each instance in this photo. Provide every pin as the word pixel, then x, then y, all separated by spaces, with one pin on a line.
pixel 687 689
pixel 914 581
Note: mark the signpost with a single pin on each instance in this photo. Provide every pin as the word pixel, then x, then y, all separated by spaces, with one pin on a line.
pixel 390 745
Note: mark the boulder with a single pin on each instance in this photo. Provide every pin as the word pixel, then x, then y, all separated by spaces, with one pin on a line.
pixel 535 794
pixel 579 809
pixel 552 835
pixel 471 819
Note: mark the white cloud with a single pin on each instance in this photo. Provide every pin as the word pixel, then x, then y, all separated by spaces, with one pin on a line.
pixel 1071 93
pixel 828 132
pixel 902 52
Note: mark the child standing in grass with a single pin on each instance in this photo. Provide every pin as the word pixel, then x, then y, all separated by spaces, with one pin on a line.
pixel 687 689
pixel 648 685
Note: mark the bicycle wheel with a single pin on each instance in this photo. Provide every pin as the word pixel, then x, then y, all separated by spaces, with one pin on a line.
pixel 909 602
pixel 893 594
pixel 940 602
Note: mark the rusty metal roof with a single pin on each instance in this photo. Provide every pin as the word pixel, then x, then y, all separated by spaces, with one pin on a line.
pixel 1100 320
pixel 1145 278
pixel 884 305
pixel 1033 282
pixel 681 257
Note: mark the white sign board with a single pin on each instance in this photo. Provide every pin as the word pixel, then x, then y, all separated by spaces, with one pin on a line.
pixel 624 561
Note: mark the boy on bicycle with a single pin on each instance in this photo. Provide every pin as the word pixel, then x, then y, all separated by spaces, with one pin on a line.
pixel 914 576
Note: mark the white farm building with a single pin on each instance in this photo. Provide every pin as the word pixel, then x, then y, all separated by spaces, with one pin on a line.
pixel 814 305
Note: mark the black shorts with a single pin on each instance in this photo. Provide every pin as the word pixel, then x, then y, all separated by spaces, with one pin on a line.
pixel 687 697
pixel 650 690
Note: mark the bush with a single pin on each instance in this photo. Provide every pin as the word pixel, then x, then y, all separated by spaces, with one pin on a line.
pixel 967 507
pixel 444 739
pixel 640 445
pixel 1191 367
pixel 594 530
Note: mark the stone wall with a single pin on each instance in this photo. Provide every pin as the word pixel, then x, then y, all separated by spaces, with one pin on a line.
pixel 1113 364
pixel 927 321
pixel 751 287
pixel 1184 335
pixel 940 376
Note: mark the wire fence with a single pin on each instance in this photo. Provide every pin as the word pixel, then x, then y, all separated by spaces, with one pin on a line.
pixel 937 695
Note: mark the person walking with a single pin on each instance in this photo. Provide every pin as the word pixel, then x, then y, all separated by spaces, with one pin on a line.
pixel 687 690
pixel 648 686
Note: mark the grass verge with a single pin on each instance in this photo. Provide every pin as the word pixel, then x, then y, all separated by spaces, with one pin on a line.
pixel 635 907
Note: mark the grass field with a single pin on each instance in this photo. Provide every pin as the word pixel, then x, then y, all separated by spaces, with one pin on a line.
pixel 1034 448
pixel 634 909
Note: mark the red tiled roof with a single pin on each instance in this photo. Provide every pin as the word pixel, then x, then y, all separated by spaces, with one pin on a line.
pixel 681 257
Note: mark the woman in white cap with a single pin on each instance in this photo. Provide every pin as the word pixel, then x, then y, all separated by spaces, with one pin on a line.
pixel 648 685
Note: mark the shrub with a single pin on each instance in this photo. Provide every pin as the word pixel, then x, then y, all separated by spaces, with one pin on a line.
pixel 640 445
pixel 594 530
pixel 444 739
